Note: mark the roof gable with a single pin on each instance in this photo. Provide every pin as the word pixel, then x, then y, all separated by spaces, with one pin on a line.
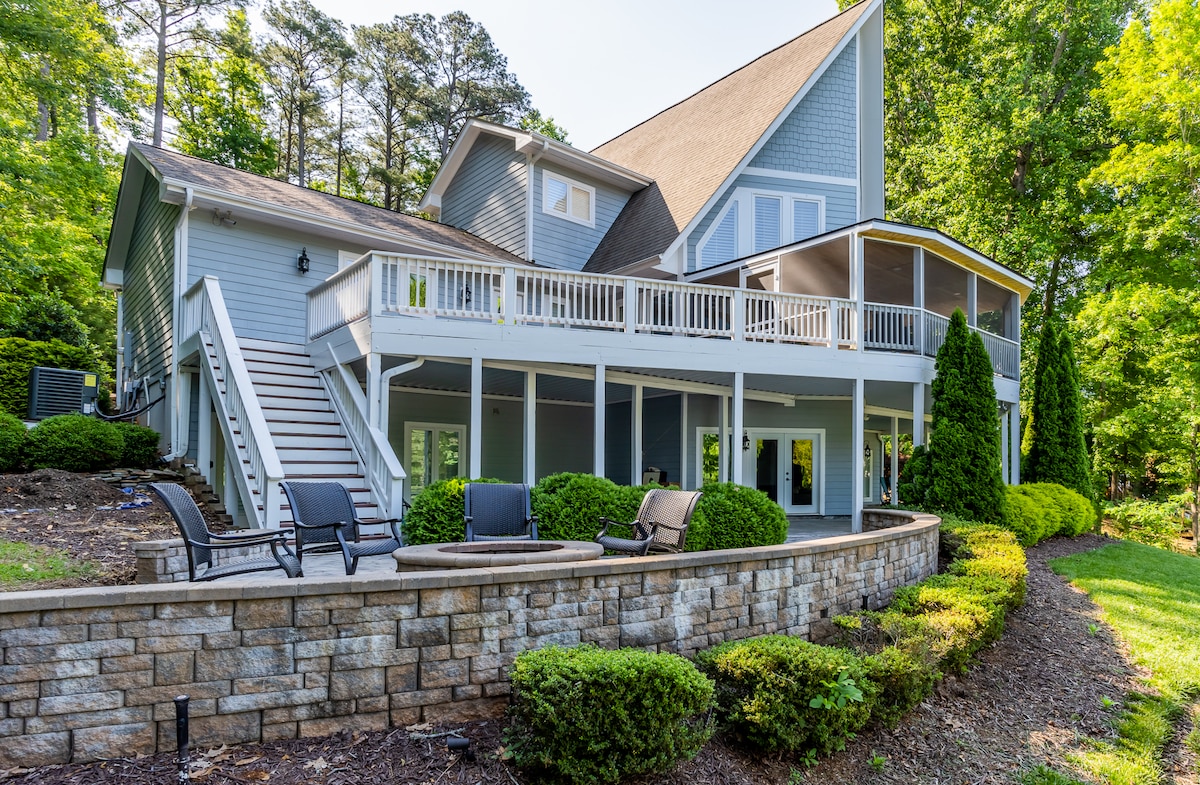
pixel 693 148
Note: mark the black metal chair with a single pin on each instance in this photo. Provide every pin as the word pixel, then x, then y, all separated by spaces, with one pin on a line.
pixel 200 543
pixel 661 525
pixel 498 511
pixel 326 522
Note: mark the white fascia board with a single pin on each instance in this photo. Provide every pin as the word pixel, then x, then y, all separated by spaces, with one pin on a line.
pixel 120 234
pixel 173 192
pixel 933 236
pixel 772 128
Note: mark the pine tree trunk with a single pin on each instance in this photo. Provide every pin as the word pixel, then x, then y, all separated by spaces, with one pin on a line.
pixel 160 83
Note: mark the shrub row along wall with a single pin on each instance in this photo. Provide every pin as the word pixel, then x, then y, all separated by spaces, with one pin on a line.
pixel 91 673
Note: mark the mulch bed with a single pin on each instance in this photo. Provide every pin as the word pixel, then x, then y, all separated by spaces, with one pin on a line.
pixel 1029 699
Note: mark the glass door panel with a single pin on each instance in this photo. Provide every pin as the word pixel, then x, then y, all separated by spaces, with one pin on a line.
pixel 767 467
pixel 801 474
pixel 433 453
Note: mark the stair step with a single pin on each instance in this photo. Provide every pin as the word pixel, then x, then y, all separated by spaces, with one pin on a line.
pixel 310 441
pixel 297 391
pixel 281 429
pixel 295 403
pixel 287 415
pixel 321 454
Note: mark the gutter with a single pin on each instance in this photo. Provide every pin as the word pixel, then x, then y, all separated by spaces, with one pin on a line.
pixel 385 380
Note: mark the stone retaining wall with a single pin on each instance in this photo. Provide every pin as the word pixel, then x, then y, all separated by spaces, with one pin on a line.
pixel 91 673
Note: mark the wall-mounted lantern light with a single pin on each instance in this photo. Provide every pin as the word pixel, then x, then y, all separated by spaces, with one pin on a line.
pixel 302 260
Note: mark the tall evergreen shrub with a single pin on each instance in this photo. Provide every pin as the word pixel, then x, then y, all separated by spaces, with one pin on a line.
pixel 1054 444
pixel 964 446
pixel 1075 468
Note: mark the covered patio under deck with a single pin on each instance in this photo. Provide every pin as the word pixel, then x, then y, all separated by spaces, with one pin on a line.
pixel 815 445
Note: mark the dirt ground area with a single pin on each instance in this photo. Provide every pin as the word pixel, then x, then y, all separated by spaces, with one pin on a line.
pixel 1035 696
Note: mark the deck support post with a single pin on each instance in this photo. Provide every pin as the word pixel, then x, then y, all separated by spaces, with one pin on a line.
pixel 857 460
pixel 598 423
pixel 918 433
pixel 375 393
pixel 894 462
pixel 635 467
pixel 530 472
pixel 723 441
pixel 739 425
pixel 475 430
pixel 1014 445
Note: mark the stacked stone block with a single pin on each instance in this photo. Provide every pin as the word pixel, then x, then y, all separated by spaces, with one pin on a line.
pixel 92 673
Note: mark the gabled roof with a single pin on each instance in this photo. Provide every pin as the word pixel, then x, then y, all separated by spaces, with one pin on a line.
pixel 691 148
pixel 176 170
pixel 544 147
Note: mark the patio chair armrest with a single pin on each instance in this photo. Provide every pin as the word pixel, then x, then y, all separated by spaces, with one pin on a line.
pixel 245 536
pixel 533 527
pixel 227 542
pixel 607 522
pixel 332 524
pixel 389 522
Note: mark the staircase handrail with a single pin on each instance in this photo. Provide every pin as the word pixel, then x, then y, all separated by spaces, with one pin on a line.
pixel 383 469
pixel 205 311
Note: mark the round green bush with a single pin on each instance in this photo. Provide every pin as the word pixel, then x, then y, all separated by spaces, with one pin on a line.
pixel 904 680
pixel 569 506
pixel 437 513
pixel 739 517
pixel 140 446
pixel 13 434
pixel 766 689
pixel 588 715
pixel 73 443
pixel 1023 517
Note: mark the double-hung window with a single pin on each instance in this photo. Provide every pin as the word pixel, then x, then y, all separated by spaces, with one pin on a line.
pixel 569 199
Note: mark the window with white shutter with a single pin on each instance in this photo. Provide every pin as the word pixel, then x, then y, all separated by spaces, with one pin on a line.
pixel 568 199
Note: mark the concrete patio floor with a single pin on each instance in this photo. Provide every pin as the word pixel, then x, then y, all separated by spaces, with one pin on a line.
pixel 330 565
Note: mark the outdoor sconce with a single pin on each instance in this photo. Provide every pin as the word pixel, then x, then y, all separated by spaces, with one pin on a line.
pixel 302 260
pixel 1004 407
pixel 867 452
pixel 466 294
pixel 745 441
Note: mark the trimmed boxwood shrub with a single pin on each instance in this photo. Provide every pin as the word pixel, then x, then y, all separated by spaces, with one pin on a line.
pixel 739 517
pixel 73 443
pixel 139 446
pixel 19 356
pixel 903 681
pixel 13 434
pixel 437 513
pixel 1036 511
pixel 767 686
pixel 587 715
pixel 569 505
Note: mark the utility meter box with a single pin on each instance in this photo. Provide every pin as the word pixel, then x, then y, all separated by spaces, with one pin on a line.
pixel 58 391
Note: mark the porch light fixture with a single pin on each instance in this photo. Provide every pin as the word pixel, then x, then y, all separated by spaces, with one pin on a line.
pixel 866 452
pixel 745 441
pixel 302 260
pixel 1004 407
pixel 466 294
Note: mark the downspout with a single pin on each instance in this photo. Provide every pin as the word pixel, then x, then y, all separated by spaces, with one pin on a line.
pixel 179 431
pixel 530 160
pixel 385 380
pixel 121 341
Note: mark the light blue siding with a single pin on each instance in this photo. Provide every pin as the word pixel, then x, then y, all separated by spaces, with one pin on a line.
pixel 564 244
pixel 820 136
pixel 486 197
pixel 266 295
pixel 148 285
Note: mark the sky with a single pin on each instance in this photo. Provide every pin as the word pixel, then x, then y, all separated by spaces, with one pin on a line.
pixel 599 68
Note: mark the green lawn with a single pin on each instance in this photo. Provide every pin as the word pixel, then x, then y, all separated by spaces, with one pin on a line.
pixel 22 566
pixel 1151 597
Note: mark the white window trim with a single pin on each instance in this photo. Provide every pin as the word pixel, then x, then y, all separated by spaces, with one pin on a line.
pixel 745 229
pixel 548 208
pixel 347 258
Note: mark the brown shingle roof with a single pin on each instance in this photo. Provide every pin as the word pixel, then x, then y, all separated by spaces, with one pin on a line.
pixel 197 171
pixel 690 148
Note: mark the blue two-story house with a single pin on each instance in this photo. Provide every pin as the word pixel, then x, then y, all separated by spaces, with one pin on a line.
pixel 714 294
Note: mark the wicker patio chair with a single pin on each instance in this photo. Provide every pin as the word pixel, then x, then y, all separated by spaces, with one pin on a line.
pixel 661 525
pixel 326 522
pixel 200 543
pixel 498 511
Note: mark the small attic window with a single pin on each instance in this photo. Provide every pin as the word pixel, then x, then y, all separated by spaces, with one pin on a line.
pixel 568 199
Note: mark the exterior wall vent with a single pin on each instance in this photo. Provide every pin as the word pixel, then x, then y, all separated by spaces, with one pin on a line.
pixel 58 391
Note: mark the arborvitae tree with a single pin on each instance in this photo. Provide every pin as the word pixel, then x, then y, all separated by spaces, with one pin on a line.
pixel 1043 433
pixel 964 446
pixel 1072 467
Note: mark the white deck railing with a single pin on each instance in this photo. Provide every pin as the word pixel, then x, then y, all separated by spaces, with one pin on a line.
pixel 384 472
pixel 383 283
pixel 238 411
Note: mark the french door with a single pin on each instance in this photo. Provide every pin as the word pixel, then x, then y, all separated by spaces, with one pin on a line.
pixel 787 466
pixel 432 452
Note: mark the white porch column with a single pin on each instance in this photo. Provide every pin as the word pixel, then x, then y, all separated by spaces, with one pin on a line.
pixel 856 458
pixel 858 290
pixel 739 426
pixel 683 444
pixel 894 461
pixel 598 424
pixel 375 391
pixel 1004 456
pixel 204 430
pixel 918 413
pixel 635 468
pixel 530 472
pixel 723 441
pixel 1014 445
pixel 475 429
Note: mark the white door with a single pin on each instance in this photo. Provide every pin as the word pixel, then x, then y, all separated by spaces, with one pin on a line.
pixel 787 467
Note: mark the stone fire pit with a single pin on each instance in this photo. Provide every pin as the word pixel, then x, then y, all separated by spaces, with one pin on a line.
pixel 494 553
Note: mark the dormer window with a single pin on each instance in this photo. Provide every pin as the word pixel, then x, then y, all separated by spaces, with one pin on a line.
pixel 568 199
